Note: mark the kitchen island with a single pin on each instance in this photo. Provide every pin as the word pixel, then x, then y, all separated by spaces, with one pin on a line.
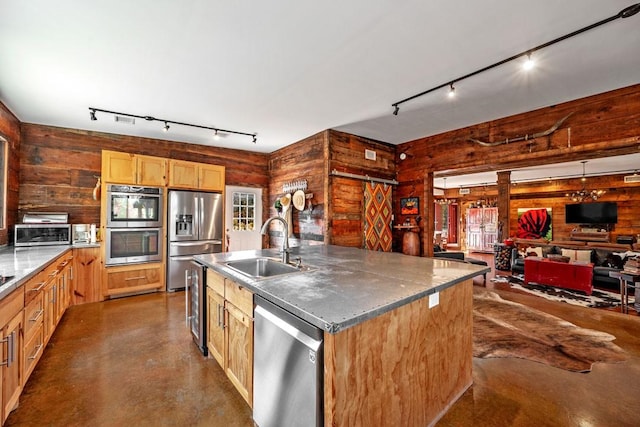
pixel 397 328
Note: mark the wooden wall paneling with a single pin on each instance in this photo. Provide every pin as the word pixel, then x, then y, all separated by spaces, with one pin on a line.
pixel 10 130
pixel 601 125
pixel 303 160
pixel 402 368
pixel 347 154
pixel 58 166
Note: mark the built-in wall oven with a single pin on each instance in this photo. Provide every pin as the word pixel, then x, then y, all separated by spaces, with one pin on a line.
pixel 134 224
pixel 133 245
pixel 130 206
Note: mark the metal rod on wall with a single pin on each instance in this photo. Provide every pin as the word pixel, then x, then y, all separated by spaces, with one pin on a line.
pixel 364 177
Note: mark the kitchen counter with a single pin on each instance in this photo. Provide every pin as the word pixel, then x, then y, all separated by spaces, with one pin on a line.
pixel 24 263
pixel 346 286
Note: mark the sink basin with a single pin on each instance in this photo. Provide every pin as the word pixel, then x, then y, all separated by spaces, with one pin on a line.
pixel 261 268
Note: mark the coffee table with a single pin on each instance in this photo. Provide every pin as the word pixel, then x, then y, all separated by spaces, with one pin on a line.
pixel 575 275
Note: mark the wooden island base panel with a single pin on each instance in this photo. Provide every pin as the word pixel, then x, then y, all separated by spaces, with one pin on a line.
pixel 405 367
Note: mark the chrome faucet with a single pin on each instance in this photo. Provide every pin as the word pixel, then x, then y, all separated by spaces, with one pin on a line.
pixel 285 241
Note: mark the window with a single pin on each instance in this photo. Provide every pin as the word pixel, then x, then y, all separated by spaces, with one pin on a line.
pixel 244 211
pixel 4 150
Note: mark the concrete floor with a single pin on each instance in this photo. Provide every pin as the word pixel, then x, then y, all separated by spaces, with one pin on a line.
pixel 131 362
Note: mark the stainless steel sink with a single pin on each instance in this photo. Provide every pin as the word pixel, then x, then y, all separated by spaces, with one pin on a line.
pixel 261 268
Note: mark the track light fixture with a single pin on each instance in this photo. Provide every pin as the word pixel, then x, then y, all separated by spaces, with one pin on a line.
pixel 452 91
pixel 93 110
pixel 215 135
pixel 529 63
pixel 624 13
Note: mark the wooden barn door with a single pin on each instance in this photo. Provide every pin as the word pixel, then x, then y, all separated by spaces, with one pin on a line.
pixel 377 217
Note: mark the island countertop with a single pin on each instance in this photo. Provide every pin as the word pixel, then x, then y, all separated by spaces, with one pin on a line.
pixel 346 286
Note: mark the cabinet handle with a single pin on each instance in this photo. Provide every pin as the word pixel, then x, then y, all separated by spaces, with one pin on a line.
pixel 11 348
pixel 37 315
pixel 39 288
pixel 135 278
pixel 38 348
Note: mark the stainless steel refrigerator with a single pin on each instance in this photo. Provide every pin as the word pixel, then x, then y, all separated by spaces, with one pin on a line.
pixel 195 221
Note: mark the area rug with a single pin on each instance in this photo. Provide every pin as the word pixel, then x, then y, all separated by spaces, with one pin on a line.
pixel 599 298
pixel 504 328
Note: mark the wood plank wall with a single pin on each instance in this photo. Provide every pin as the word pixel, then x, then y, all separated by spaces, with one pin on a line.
pixel 10 130
pixel 304 160
pixel 346 210
pixel 58 167
pixel 599 126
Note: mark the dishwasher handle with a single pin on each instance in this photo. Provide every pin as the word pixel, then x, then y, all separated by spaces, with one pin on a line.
pixel 300 336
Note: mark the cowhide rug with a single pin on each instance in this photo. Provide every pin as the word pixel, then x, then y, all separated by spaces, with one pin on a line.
pixel 504 328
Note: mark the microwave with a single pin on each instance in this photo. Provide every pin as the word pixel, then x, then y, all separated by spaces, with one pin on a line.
pixel 131 206
pixel 42 234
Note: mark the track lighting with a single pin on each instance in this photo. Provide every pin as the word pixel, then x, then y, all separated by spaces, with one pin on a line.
pixel 93 110
pixel 529 63
pixel 624 13
pixel 452 91
pixel 215 135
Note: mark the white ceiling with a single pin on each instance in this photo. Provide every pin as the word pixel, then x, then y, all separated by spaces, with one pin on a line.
pixel 287 70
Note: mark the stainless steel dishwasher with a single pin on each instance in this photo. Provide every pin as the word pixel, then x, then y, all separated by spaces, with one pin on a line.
pixel 287 369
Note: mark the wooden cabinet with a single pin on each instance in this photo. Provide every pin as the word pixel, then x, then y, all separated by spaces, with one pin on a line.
pixel 192 175
pixel 11 348
pixel 132 279
pixel 230 331
pixel 127 168
pixel 86 276
pixel 482 229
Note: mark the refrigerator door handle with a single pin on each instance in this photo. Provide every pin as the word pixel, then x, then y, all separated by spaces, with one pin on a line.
pixel 196 243
pixel 182 258
pixel 186 296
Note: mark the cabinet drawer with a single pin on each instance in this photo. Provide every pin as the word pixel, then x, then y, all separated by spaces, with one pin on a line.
pixel 128 280
pixel 239 296
pixel 215 282
pixel 11 305
pixel 34 286
pixel 33 351
pixel 33 315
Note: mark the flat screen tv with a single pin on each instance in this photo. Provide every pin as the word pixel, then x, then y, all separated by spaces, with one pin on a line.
pixel 591 213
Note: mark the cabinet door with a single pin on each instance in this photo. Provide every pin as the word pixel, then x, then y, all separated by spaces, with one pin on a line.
pixel 211 177
pixel 183 174
pixel 86 276
pixel 215 325
pixel 50 308
pixel 151 170
pixel 239 365
pixel 12 375
pixel 119 168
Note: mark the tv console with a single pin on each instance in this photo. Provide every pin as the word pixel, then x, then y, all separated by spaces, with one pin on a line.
pixel 590 236
pixel 569 275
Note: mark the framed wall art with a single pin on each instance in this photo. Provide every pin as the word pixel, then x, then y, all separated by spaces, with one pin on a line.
pixel 409 205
